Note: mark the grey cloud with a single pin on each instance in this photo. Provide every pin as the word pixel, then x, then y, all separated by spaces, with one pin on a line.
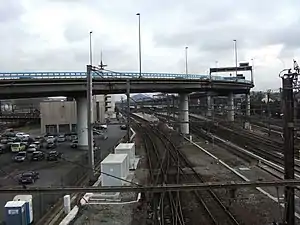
pixel 76 31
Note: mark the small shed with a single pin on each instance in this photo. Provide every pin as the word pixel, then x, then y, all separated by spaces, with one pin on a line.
pixel 15 213
pixel 115 165
pixel 127 148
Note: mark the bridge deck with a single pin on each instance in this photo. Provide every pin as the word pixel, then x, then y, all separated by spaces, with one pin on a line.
pixel 24 85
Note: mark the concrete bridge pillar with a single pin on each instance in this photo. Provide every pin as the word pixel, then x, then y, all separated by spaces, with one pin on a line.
pixel 210 105
pixel 248 105
pixel 230 108
pixel 82 131
pixel 184 113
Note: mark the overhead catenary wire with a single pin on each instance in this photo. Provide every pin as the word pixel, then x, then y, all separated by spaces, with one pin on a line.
pixel 155 188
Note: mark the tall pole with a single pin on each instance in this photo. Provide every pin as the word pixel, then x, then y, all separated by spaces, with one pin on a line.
pixel 89 123
pixel 236 57
pixel 269 112
pixel 140 45
pixel 186 60
pixel 288 134
pixel 91 54
pixel 252 75
pixel 128 109
pixel 89 95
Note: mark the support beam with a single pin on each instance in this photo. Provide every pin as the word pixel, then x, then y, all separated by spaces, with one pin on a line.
pixel 248 105
pixel 184 113
pixel 82 133
pixel 230 107
pixel 210 101
pixel 288 135
pixel 247 124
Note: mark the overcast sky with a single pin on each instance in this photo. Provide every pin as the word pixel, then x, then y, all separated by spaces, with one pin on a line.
pixel 53 35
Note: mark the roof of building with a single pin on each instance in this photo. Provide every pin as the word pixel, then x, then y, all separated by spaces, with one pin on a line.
pixel 14 204
pixel 125 146
pixel 114 158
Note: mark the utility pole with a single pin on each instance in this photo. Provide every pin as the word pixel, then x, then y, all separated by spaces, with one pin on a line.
pixel 236 57
pixel 89 123
pixel 168 109
pixel 186 60
pixel 128 108
pixel 269 113
pixel 288 133
pixel 140 46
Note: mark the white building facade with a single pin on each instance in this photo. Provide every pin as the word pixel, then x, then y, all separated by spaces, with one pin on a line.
pixel 61 116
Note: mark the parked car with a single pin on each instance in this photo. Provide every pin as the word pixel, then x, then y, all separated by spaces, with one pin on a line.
pixel 74 137
pixel 31 148
pixel 96 132
pixel 74 144
pixel 28 177
pixel 26 137
pixel 37 145
pixel 53 156
pixel 61 138
pixel 15 139
pixel 103 136
pixel 51 145
pixel 4 141
pixel 37 138
pixel 123 127
pixel 37 156
pixel 20 157
pixel 19 134
pixel 17 147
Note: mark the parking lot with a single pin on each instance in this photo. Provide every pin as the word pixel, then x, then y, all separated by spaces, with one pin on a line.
pixel 52 173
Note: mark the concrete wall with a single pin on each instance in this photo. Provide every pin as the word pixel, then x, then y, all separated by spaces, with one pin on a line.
pixel 57 113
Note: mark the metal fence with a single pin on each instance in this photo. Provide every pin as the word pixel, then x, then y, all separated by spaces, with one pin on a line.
pixel 115 75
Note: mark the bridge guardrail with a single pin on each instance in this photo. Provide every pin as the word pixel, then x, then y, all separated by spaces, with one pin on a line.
pixel 116 75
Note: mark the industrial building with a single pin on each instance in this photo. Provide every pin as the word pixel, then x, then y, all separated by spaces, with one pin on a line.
pixel 61 116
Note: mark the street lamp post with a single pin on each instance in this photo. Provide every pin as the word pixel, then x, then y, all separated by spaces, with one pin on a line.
pixel 186 60
pixel 91 55
pixel 140 47
pixel 236 57
pixel 89 114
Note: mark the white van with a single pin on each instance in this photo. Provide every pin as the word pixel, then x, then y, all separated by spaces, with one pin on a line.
pixel 17 147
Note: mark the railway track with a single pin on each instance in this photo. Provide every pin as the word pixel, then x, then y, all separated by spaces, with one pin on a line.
pixel 262 147
pixel 167 164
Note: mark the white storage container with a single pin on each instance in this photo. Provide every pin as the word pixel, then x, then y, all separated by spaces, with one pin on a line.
pixel 28 206
pixel 116 165
pixel 127 148
pixel 67 204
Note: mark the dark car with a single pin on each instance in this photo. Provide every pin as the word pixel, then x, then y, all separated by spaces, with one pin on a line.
pixel 2 148
pixel 4 141
pixel 51 145
pixel 103 136
pixel 37 145
pixel 31 148
pixel 28 177
pixel 53 156
pixel 37 156
pixel 20 157
pixel 123 127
